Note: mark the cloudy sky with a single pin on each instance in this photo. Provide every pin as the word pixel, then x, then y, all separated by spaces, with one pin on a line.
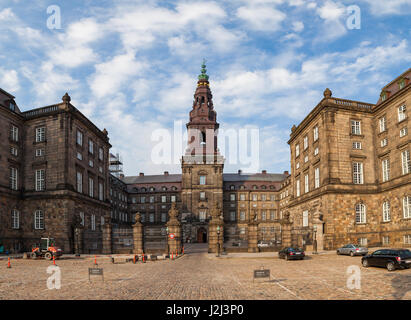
pixel 131 66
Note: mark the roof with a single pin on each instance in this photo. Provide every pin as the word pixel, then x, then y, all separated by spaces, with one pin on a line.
pixel 269 177
pixel 227 177
pixel 152 178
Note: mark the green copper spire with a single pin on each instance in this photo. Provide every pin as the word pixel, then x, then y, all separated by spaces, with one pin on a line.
pixel 203 75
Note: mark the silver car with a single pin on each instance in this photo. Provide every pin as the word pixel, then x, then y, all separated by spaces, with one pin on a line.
pixel 353 250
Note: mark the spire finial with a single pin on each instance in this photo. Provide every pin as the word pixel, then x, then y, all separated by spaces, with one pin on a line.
pixel 203 75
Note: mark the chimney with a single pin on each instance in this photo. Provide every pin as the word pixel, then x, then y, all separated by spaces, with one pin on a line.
pixel 240 171
pixel 264 172
pixel 141 174
pixel 166 173
pixel 286 173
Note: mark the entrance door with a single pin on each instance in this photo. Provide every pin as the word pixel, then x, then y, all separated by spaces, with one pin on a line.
pixel 201 235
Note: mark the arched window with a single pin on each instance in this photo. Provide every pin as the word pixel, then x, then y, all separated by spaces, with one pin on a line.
pixel 360 213
pixel 164 188
pixel 386 215
pixel 203 137
pixel 152 189
pixel 263 187
pixel 143 189
pixel 232 187
pixel 202 99
pixel 255 187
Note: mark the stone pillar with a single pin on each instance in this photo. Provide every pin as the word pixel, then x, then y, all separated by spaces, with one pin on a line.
pixel 286 227
pixel 107 238
pixel 174 227
pixel 318 224
pixel 78 240
pixel 138 235
pixel 216 231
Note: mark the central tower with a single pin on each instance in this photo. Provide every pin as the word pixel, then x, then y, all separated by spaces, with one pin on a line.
pixel 202 164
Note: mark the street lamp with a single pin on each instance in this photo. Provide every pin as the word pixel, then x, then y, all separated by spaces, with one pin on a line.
pixel 315 240
pixel 218 241
pixel 168 246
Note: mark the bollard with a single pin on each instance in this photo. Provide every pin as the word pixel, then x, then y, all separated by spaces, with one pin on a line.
pixel 8 263
pixel 54 260
pixel 134 259
pixel 95 260
pixel 172 252
pixel 144 258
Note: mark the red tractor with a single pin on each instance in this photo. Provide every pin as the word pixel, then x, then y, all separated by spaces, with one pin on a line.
pixel 46 249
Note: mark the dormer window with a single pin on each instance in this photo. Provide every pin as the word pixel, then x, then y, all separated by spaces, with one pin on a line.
pixel 401 83
pixel 383 96
pixel 12 106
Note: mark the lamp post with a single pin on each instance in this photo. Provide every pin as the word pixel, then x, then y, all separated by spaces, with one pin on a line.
pixel 315 240
pixel 218 241
pixel 168 246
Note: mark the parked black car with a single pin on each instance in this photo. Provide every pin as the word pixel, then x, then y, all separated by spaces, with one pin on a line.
pixel 291 253
pixel 389 258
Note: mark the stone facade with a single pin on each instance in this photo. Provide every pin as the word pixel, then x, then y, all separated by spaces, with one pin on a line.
pixel 357 199
pixel 41 193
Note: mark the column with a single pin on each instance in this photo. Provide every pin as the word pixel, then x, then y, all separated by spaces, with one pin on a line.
pixel 138 235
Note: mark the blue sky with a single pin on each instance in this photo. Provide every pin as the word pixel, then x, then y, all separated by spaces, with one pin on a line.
pixel 131 66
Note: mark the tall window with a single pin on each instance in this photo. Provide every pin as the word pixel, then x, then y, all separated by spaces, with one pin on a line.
pixel 384 142
pixel 15 219
pixel 38 220
pixel 403 132
pixel 202 215
pixel 406 163
pixel 163 217
pixel 297 150
pixel 242 197
pixel 79 182
pixel 263 215
pixel 385 165
pixel 91 146
pixel 91 187
pixel 386 214
pixel 360 214
pixel 13 178
pixel 297 188
pixel 151 217
pixel 305 218
pixel 305 142
pixel 355 127
pixel 402 113
pixel 306 184
pixel 358 173
pixel 356 145
pixel 14 133
pixel 173 198
pixel 93 222
pixel 82 222
pixel 383 124
pixel 40 180
pixel 232 197
pixel 315 133
pixel 232 215
pixel 406 204
pixel 202 180
pixel 242 215
pixel 100 191
pixel 40 134
pixel 316 177
pixel 163 199
pixel 79 138
pixel 100 154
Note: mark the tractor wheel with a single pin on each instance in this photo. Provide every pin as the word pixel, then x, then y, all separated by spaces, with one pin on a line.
pixel 33 255
pixel 48 256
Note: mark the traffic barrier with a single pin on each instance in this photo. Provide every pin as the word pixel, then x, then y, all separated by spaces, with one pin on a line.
pixel 54 260
pixel 172 252
pixel 8 263
pixel 144 258
pixel 95 260
pixel 134 259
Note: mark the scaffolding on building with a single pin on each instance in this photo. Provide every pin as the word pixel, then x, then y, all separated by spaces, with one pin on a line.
pixel 116 165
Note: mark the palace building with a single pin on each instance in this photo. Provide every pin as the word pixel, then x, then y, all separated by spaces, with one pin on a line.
pixel 350 181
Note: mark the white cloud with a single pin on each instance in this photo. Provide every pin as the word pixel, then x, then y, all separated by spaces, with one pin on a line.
pixel 48 83
pixel 383 7
pixel 9 80
pixel 298 26
pixel 261 18
pixel 331 11
pixel 111 75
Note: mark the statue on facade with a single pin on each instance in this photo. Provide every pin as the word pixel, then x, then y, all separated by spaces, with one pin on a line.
pixel 173 212
pixel 137 218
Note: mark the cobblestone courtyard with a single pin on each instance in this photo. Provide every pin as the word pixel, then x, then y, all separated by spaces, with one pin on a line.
pixel 198 275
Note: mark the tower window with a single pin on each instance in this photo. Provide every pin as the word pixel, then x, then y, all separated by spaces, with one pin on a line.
pixel 203 180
